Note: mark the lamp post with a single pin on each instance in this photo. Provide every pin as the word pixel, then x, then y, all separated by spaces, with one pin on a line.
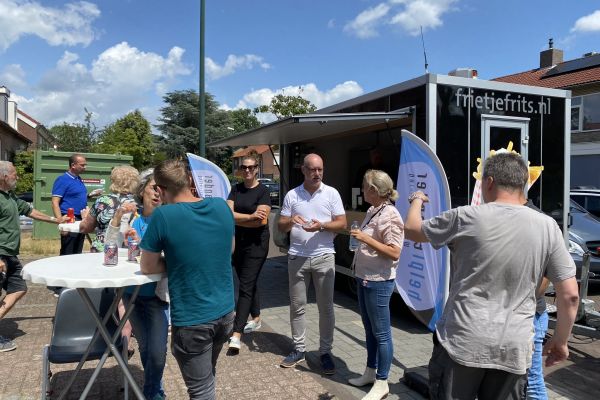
pixel 202 85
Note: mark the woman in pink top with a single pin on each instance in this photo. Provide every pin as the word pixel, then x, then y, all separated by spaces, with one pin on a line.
pixel 380 241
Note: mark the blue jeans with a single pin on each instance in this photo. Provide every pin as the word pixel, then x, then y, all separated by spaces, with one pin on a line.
pixel 150 323
pixel 196 349
pixel 374 302
pixel 536 389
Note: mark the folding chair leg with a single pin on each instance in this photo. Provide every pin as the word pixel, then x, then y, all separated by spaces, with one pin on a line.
pixel 45 373
pixel 125 342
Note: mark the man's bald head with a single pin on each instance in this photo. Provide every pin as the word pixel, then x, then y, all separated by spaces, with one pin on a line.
pixel 312 169
pixel 313 158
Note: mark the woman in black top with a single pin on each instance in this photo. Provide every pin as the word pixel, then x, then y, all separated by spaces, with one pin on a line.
pixel 251 204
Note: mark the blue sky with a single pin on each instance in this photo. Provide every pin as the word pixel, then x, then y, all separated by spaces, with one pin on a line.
pixel 114 56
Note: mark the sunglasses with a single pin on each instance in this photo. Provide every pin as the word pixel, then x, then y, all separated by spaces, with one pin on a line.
pixel 247 167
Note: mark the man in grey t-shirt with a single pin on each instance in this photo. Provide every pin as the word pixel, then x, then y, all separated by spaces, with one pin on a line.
pixel 500 250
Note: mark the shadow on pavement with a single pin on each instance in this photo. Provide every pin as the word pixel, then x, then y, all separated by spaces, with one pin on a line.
pixel 10 328
pixel 108 384
pixel 581 378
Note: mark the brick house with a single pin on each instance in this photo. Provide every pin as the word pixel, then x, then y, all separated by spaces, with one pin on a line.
pixel 582 77
pixel 36 132
pixel 11 140
pixel 268 167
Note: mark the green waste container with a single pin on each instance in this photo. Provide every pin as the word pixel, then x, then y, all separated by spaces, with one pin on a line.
pixel 49 165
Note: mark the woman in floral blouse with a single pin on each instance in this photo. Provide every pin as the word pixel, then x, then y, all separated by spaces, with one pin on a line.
pixel 124 181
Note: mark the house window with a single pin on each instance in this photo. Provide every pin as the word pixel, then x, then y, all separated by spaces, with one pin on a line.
pixel 591 112
pixel 585 113
pixel 575 119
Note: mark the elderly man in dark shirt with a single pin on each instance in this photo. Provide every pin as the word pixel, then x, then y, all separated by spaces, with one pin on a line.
pixel 10 242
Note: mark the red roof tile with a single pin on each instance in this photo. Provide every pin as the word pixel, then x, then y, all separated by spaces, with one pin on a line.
pixel 28 116
pixel 536 77
pixel 242 152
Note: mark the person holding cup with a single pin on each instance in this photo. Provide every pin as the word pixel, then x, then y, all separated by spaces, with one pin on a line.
pixel 380 238
pixel 250 203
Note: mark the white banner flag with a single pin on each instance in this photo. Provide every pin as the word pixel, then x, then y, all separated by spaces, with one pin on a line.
pixel 209 179
pixel 422 275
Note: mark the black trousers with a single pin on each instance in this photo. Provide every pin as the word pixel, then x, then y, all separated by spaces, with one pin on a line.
pixel 71 244
pixel 449 380
pixel 248 259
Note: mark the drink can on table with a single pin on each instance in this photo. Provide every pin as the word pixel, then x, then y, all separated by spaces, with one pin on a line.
pixel 111 254
pixel 133 251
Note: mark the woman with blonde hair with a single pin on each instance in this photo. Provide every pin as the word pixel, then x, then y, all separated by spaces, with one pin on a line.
pixel 124 180
pixel 251 203
pixel 380 240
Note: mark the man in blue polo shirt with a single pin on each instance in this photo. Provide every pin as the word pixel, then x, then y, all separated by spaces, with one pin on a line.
pixel 196 236
pixel 70 192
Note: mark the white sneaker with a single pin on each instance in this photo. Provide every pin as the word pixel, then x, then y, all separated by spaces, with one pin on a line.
pixel 234 343
pixel 252 326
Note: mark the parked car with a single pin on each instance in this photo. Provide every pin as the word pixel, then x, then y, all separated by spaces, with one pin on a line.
pixel 273 192
pixel 27 196
pixel 584 235
pixel 266 180
pixel 26 222
pixel 587 197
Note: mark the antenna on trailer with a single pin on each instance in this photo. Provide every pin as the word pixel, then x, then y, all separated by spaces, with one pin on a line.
pixel 424 51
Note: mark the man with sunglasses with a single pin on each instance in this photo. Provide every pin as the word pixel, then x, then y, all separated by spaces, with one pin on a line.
pixel 313 212
pixel 196 236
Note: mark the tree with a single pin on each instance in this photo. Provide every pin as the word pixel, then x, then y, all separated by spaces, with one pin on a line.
pixel 75 137
pixel 180 126
pixel 285 106
pixel 72 137
pixel 129 135
pixel 23 163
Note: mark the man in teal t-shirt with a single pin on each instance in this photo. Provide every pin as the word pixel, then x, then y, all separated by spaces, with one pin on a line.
pixel 196 236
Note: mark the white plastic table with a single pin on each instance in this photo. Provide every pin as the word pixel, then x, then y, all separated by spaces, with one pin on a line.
pixel 84 271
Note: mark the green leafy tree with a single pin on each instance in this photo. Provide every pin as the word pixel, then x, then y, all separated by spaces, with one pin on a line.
pixel 23 163
pixel 130 135
pixel 72 137
pixel 283 106
pixel 76 137
pixel 179 126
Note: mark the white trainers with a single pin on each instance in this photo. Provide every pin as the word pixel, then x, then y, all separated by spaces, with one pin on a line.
pixel 234 343
pixel 252 326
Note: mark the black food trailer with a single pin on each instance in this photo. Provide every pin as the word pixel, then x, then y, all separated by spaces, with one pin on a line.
pixel 461 119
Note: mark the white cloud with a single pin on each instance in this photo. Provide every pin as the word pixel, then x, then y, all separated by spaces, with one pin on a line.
pixel 363 26
pixel 70 25
pixel 410 15
pixel 13 77
pixel 588 23
pixel 232 64
pixel 119 80
pixel 309 91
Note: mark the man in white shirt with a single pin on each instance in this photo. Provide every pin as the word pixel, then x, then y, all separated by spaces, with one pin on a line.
pixel 313 212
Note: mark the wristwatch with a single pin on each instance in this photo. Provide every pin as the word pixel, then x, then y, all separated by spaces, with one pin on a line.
pixel 321 227
pixel 415 195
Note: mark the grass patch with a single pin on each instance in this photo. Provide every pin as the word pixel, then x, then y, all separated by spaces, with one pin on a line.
pixel 42 247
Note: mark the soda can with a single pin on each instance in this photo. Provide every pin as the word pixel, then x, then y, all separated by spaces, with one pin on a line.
pixel 133 251
pixel 111 254
pixel 71 214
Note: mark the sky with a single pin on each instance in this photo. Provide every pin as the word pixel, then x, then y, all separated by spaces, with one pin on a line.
pixel 114 56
